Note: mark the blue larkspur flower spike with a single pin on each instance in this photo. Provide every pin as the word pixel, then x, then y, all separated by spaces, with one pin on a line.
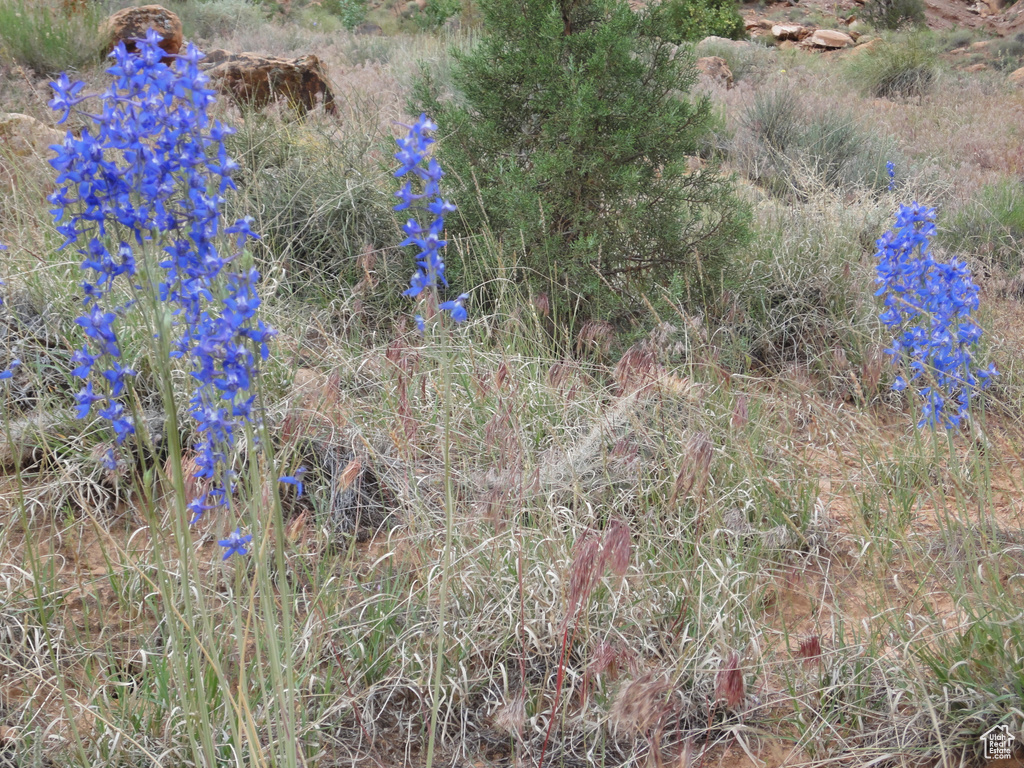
pixel 890 169
pixel 929 305
pixel 142 187
pixel 235 543
pixel 421 193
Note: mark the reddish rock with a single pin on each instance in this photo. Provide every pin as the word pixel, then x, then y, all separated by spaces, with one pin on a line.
pixel 255 81
pixel 131 23
pixel 829 38
pixel 716 69
pixel 1017 77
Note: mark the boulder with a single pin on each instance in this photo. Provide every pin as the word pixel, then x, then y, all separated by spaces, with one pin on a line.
pixel 724 42
pixel 130 23
pixel 715 69
pixel 829 38
pixel 255 81
pixel 866 47
pixel 1017 77
pixel 788 32
pixel 24 136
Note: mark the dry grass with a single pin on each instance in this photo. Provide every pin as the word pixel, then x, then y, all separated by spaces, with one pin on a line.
pixel 727 542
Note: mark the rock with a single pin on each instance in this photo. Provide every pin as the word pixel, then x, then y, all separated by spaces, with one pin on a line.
pixel 255 81
pixel 787 45
pixel 979 67
pixel 130 23
pixel 788 32
pixel 866 47
pixel 757 24
pixel 715 69
pixel 24 136
pixel 829 38
pixel 980 45
pixel 366 28
pixel 857 26
pixel 1017 77
pixel 737 45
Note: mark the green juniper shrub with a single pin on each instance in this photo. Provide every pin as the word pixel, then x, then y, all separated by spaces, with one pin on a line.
pixel 351 12
pixel 572 138
pixel 894 14
pixel 693 20
pixel 438 12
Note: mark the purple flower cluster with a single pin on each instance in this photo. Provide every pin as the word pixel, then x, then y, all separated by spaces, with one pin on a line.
pixel 143 187
pixel 412 152
pixel 929 304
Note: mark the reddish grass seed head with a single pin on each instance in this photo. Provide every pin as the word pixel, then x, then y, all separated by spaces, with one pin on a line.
pixel 587 565
pixel 616 552
pixel 693 475
pixel 636 370
pixel 640 704
pixel 729 684
pixel 740 413
pixel 810 650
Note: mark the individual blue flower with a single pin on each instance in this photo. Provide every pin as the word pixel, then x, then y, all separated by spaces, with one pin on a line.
pixel 890 168
pixel 67 96
pixel 9 372
pixel 235 543
pixel 457 307
pixel 295 480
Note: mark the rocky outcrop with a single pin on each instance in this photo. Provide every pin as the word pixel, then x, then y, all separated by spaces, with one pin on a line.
pixel 24 136
pixel 255 81
pixel 130 23
pixel 829 38
pixel 789 32
pixel 715 69
pixel 1017 77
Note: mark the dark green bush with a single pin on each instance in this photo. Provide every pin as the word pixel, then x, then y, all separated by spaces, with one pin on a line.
pixel 693 20
pixel 894 14
pixel 438 12
pixel 569 135
pixel 351 12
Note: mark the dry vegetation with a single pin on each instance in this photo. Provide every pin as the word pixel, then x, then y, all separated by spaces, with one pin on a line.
pixel 726 546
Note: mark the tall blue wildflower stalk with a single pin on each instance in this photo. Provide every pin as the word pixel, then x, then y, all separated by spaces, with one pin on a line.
pixel 930 305
pixel 9 371
pixel 139 198
pixel 412 156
